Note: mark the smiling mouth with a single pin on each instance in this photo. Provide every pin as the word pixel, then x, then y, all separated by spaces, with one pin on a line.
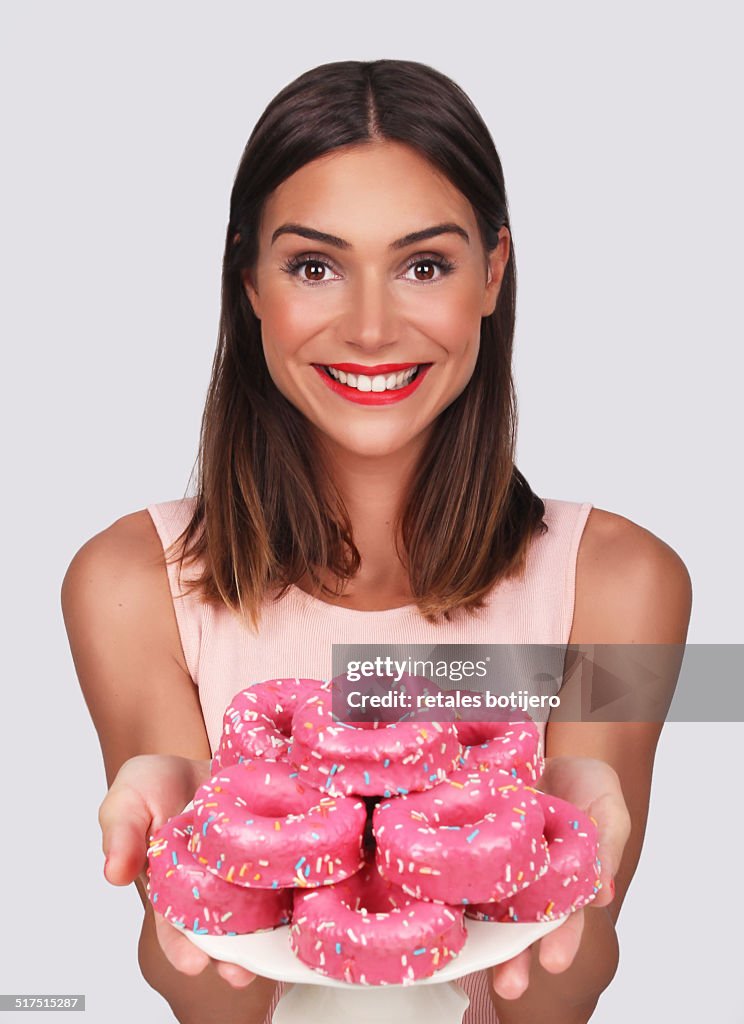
pixel 378 382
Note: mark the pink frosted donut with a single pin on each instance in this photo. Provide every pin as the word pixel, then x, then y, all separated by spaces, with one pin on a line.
pixel 571 881
pixel 367 931
pixel 370 759
pixel 512 746
pixel 259 720
pixel 256 824
pixel 475 838
pixel 189 896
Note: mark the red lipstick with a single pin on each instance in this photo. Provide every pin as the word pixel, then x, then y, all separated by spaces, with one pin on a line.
pixel 372 397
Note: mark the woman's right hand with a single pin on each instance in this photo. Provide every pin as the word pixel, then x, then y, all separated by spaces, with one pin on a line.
pixel 147 791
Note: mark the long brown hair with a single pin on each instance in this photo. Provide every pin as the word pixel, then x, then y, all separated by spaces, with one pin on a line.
pixel 267 513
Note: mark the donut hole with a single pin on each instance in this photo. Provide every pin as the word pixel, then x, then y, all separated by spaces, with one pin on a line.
pixel 273 804
pixel 472 734
pixel 456 816
pixel 368 892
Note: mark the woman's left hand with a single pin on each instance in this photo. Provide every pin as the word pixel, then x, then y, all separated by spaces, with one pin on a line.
pixel 594 787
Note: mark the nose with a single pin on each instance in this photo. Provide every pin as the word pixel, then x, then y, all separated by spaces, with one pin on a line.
pixel 371 320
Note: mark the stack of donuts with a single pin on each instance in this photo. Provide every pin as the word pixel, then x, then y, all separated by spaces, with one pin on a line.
pixel 374 841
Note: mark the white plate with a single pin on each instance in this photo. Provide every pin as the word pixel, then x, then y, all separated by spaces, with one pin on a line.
pixel 270 955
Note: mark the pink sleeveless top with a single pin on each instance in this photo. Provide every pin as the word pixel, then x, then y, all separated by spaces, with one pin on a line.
pixel 295 636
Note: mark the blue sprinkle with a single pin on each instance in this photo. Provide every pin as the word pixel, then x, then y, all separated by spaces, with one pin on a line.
pixel 403 791
pixel 465 901
pixel 218 865
pixel 418 952
pixel 338 947
pixel 432 778
pixel 514 772
pixel 315 835
pixel 232 933
pixel 274 885
pixel 196 893
pixel 387 793
pixel 366 778
pixel 204 828
pixel 386 763
pixel 202 931
pixel 155 898
pixel 299 863
pixel 574 824
pixel 307 870
pixel 426 767
pixel 334 769
pixel 472 835
pixel 173 855
pixel 249 821
pixel 452 828
pixel 294 775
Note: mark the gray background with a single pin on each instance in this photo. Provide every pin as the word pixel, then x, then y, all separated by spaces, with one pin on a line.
pixel 123 126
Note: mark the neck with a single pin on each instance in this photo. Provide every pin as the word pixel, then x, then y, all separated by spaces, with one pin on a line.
pixel 373 489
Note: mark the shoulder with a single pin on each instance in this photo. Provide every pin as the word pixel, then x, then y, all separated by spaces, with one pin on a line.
pixel 118 581
pixel 631 587
pixel 126 552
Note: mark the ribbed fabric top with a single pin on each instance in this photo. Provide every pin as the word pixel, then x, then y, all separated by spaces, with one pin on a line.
pixel 224 655
pixel 296 635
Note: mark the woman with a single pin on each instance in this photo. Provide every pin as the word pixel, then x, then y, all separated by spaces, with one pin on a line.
pixel 357 482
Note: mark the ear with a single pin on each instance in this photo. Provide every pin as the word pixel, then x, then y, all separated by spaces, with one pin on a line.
pixel 497 260
pixel 246 276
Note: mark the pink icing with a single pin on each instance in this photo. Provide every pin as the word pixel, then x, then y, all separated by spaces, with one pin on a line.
pixel 256 824
pixel 477 837
pixel 370 759
pixel 189 896
pixel 512 746
pixel 258 721
pixel 572 879
pixel 367 930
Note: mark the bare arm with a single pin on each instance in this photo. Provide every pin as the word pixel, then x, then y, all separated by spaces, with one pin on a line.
pixel 631 588
pixel 125 644
pixel 126 647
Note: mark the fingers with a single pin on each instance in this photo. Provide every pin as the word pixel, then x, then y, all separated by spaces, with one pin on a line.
pixel 189 959
pixel 236 976
pixel 558 948
pixel 510 979
pixel 182 954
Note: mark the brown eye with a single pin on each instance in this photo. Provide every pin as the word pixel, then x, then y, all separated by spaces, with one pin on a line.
pixel 314 271
pixel 424 270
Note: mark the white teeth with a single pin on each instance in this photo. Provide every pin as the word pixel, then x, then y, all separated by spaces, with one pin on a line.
pixel 380 382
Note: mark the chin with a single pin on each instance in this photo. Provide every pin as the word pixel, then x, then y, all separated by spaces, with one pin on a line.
pixel 369 443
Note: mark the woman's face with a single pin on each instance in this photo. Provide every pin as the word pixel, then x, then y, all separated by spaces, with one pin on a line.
pixel 370 270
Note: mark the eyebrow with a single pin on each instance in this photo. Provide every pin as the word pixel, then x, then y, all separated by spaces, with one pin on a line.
pixel 341 243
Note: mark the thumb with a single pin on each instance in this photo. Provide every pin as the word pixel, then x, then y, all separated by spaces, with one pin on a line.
pixel 126 822
pixel 612 819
